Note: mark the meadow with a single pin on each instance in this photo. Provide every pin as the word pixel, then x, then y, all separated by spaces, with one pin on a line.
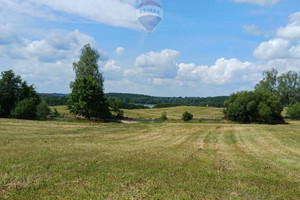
pixel 174 160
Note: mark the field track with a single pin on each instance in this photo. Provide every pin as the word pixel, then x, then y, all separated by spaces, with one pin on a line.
pixel 80 160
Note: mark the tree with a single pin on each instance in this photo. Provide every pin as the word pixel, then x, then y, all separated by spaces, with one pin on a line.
pixel 293 111
pixel 115 106
pixel 269 81
pixel 17 99
pixel 10 86
pixel 88 65
pixel 258 106
pixel 288 87
pixel 27 103
pixel 43 110
pixel 186 116
pixel 87 97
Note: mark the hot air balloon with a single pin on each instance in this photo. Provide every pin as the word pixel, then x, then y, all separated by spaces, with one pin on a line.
pixel 150 14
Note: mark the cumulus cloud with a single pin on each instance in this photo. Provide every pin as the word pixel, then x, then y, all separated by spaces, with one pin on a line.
pixel 54 47
pixel 120 51
pixel 224 71
pixel 292 30
pixel 158 64
pixel 111 70
pixel 259 2
pixel 48 62
pixel 275 48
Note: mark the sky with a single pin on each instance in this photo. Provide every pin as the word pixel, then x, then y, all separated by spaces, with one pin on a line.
pixel 201 47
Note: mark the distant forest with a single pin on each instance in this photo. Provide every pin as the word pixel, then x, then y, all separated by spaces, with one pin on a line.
pixel 189 101
pixel 61 99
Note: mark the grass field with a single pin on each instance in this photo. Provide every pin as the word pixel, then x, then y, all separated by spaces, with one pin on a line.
pixel 172 113
pixel 88 160
pixel 176 112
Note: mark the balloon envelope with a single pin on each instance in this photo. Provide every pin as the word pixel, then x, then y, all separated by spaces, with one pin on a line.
pixel 150 14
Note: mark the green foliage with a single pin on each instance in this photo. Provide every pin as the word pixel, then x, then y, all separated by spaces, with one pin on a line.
pixel 17 99
pixel 286 86
pixel 10 86
pixel 25 109
pixel 293 111
pixel 258 106
pixel 269 81
pixel 124 105
pixel 189 101
pixel 55 99
pixel 88 65
pixel 289 87
pixel 164 117
pixel 186 116
pixel 43 110
pixel 87 99
pixel 116 109
pixel 166 105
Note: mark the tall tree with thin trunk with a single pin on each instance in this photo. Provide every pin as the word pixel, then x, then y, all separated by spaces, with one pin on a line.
pixel 87 98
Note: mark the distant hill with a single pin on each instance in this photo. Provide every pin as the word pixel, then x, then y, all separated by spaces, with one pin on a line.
pixel 54 99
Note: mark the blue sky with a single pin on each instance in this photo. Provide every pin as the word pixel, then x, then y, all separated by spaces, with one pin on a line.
pixel 201 48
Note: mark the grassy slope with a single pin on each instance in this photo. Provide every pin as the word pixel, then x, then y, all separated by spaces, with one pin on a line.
pixel 172 113
pixel 176 112
pixel 75 160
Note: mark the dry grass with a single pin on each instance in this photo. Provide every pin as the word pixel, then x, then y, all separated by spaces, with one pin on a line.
pixel 176 112
pixel 87 160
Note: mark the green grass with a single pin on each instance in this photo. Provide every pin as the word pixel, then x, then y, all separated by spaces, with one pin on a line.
pixel 76 160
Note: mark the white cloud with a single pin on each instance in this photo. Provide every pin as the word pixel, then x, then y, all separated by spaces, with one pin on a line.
pixel 111 70
pixel 295 51
pixel 252 29
pixel 158 64
pixel 119 13
pixel 55 47
pixel 120 51
pixel 275 48
pixel 292 30
pixel 47 63
pixel 259 2
pixel 7 34
pixel 223 72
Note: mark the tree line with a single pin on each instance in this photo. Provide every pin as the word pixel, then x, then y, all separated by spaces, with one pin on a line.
pixel 169 101
pixel 20 100
pixel 266 103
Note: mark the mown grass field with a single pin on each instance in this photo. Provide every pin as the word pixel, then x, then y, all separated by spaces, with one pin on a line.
pixel 173 113
pixel 89 160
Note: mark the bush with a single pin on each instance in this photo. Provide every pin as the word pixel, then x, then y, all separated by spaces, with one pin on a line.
pixel 164 117
pixel 42 110
pixel 186 116
pixel 293 111
pixel 257 106
pixel 25 109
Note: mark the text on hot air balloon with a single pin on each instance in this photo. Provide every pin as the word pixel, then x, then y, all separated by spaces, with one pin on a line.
pixel 150 10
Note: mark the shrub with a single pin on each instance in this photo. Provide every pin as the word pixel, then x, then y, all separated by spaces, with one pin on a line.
pixel 164 117
pixel 186 116
pixel 293 111
pixel 25 109
pixel 42 110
